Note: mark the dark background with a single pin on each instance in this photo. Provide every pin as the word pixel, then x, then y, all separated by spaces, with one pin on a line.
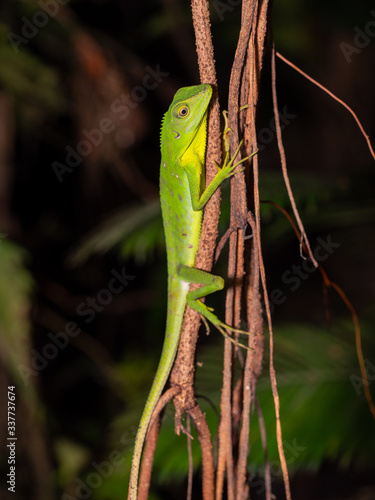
pixel 81 357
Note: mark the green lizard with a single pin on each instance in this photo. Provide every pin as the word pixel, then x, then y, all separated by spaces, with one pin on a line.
pixel 182 177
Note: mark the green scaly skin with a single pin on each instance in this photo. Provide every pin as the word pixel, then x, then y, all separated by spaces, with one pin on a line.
pixel 182 178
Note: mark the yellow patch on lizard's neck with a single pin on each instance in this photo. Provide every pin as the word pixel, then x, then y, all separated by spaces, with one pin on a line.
pixel 197 148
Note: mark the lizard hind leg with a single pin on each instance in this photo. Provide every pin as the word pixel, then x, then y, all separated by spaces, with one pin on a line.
pixel 225 334
pixel 210 284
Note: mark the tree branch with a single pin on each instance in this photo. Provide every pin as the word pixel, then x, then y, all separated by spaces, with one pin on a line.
pixel 183 371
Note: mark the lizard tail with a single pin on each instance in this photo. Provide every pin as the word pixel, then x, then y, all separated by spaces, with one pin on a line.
pixel 176 307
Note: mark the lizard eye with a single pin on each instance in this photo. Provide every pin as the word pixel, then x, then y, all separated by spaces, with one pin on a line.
pixel 183 111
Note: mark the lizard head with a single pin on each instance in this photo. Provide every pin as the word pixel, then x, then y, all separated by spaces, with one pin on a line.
pixel 185 123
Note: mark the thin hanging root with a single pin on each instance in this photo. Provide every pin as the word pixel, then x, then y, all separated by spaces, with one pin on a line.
pixel 340 101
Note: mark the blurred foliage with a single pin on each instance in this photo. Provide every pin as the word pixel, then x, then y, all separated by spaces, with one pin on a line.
pixel 15 289
pixel 135 232
pixel 313 383
pixel 34 86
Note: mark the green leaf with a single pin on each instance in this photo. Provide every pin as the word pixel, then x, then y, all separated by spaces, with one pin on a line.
pixel 136 231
